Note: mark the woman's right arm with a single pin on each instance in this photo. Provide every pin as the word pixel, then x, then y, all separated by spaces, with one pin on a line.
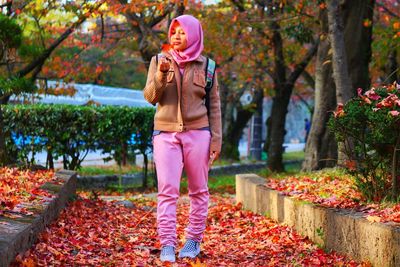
pixel 156 82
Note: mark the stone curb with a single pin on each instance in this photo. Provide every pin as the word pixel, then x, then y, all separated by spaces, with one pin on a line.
pixel 344 231
pixel 18 235
pixel 103 181
pixel 236 167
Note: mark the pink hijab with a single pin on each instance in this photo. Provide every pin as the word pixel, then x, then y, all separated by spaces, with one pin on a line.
pixel 194 35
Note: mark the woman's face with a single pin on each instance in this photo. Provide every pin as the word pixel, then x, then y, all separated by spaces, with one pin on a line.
pixel 178 37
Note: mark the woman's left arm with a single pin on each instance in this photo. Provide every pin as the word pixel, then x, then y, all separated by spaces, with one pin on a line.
pixel 215 118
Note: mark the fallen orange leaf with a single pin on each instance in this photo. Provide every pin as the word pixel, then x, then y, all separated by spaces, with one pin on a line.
pixel 198 263
pixel 374 218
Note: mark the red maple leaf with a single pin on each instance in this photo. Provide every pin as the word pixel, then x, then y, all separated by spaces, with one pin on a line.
pixel 166 47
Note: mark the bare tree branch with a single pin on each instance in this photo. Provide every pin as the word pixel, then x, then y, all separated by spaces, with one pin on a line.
pixel 309 107
pixel 22 5
pixel 102 27
pixel 299 68
pixel 37 21
pixel 180 8
pixel 309 79
pixel 160 17
pixel 38 63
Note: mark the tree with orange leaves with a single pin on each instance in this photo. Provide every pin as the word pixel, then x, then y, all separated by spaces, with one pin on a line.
pixel 30 32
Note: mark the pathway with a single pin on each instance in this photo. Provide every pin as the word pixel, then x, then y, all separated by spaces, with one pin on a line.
pixel 104 232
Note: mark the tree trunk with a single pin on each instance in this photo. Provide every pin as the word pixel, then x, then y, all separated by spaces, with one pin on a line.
pixel 234 128
pixel 339 57
pixel 145 170
pixel 227 106
pixel 146 55
pixel 49 159
pixel 143 27
pixel 391 67
pixel 65 162
pixel 395 171
pixel 347 30
pixel 321 148
pixel 279 110
pixel 280 103
pixel 3 153
pixel 256 143
pixel 344 88
pixel 283 87
pixel 124 153
pixel 355 12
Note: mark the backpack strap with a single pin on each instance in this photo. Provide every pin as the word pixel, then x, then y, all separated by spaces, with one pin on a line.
pixel 210 71
pixel 159 55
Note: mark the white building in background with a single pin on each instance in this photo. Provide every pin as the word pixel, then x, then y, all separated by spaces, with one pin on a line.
pixel 104 95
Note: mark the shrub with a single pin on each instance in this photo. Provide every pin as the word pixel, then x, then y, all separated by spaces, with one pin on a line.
pixel 71 132
pixel 369 127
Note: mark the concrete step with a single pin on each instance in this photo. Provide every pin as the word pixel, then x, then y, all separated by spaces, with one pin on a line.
pixel 18 234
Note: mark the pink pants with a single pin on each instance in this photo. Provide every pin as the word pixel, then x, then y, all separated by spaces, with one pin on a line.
pixel 172 152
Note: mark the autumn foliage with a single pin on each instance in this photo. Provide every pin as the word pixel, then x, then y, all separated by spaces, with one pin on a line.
pixel 96 232
pixel 20 190
pixel 334 190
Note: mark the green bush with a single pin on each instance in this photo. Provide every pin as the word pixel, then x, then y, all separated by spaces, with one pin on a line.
pixel 368 126
pixel 71 132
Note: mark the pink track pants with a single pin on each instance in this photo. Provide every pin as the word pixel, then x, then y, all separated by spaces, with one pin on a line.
pixel 172 152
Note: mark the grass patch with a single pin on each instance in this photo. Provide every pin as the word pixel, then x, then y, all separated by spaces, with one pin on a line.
pixel 295 155
pixel 216 184
pixel 222 184
pixel 225 162
pixel 290 169
pixel 108 170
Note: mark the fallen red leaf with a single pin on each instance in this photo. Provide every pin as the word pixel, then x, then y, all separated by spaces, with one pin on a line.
pixel 96 232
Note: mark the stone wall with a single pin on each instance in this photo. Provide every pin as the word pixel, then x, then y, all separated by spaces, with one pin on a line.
pixel 18 235
pixel 105 181
pixel 344 231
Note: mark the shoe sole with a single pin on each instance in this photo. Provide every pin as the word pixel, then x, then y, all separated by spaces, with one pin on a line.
pixel 189 255
pixel 167 260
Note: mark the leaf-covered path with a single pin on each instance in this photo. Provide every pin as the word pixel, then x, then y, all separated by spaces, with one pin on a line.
pixel 105 233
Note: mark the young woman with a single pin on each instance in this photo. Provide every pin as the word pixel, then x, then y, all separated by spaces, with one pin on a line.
pixel 184 135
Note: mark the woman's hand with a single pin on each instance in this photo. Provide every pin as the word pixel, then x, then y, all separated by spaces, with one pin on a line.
pixel 213 156
pixel 164 65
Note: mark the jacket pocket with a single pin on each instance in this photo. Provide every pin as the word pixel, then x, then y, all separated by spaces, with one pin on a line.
pixel 171 76
pixel 199 78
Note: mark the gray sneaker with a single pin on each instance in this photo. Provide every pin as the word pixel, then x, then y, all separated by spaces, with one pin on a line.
pixel 191 249
pixel 167 254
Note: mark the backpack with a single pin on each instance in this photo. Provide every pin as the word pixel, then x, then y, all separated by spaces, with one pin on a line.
pixel 209 74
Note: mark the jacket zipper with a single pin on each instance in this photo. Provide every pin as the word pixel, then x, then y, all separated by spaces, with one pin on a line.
pixel 182 94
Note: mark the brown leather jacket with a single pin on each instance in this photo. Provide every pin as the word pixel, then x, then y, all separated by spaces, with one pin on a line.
pixel 181 104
